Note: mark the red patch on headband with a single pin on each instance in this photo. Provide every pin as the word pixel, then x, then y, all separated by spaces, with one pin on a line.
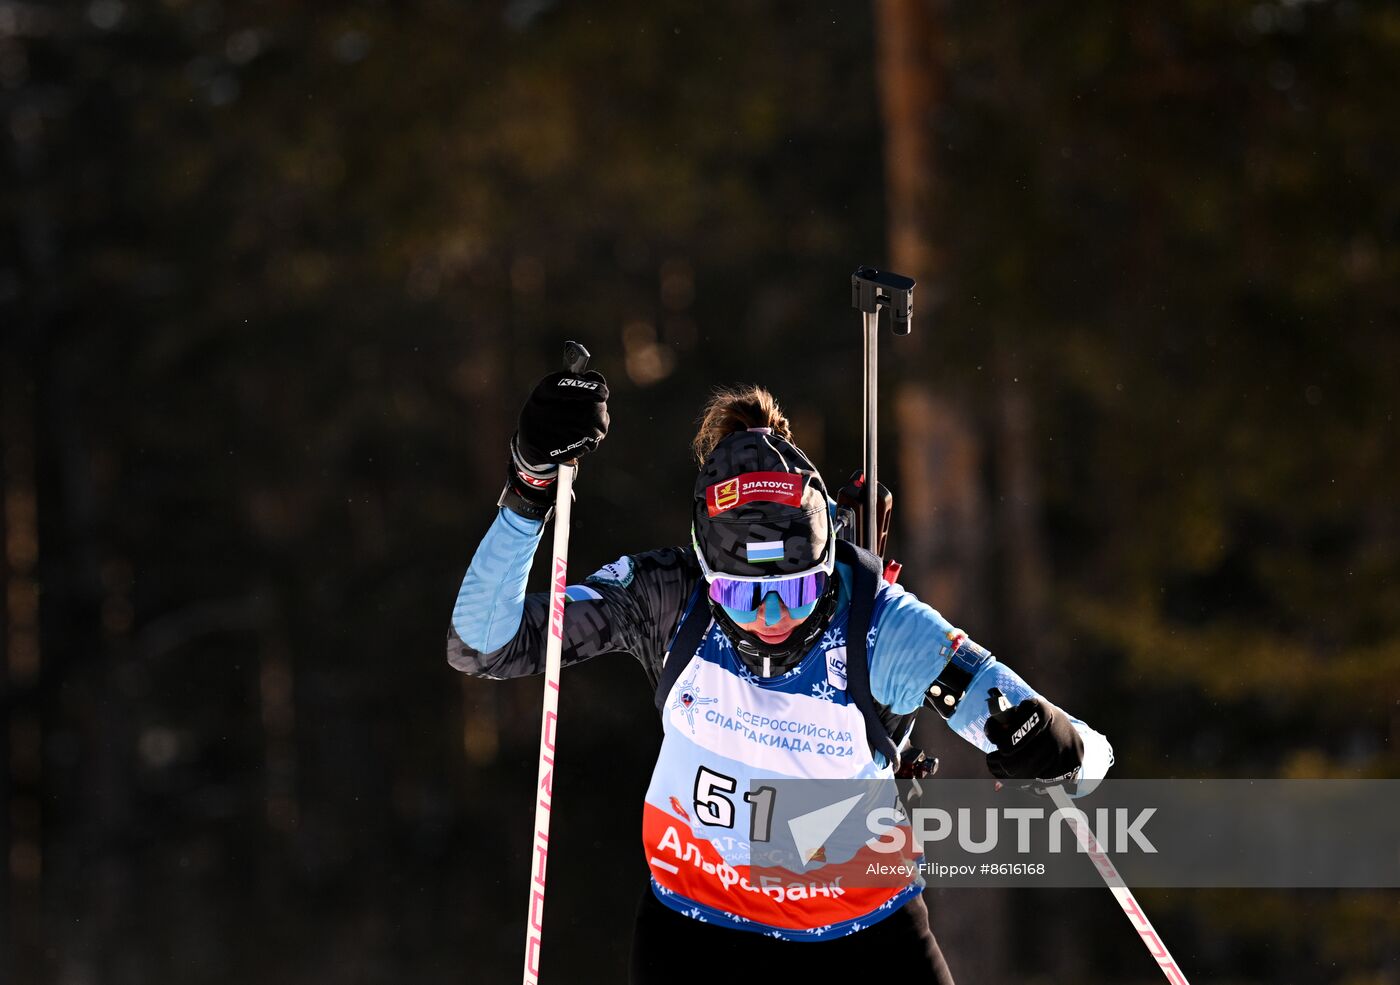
pixel 754 487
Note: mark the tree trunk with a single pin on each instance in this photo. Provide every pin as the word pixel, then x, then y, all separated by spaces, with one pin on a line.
pixel 1024 569
pixel 905 40
pixel 21 866
pixel 941 506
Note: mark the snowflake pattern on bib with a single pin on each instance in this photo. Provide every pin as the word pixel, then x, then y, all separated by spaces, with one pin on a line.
pixel 726 730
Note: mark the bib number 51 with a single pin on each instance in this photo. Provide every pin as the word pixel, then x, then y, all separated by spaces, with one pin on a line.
pixel 712 807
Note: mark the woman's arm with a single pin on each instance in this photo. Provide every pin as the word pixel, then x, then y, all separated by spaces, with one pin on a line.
pixel 491 599
pixel 629 606
pixel 912 646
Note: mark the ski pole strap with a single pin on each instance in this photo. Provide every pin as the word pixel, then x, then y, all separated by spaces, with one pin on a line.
pixel 866 568
pixel 695 620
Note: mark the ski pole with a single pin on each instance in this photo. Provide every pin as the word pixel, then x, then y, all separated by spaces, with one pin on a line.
pixel 575 361
pixel 1107 871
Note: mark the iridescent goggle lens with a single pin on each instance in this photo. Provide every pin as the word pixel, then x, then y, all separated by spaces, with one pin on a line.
pixel 796 592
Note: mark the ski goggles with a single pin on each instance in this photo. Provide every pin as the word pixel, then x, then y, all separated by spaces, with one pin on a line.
pixel 743 595
pixel 796 591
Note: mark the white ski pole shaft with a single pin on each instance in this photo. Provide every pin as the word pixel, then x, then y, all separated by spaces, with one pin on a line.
pixel 1109 873
pixel 576 360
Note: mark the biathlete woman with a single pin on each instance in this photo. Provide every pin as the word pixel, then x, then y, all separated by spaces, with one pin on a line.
pixel 762 695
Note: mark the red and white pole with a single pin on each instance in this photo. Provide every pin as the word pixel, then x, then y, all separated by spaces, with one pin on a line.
pixel 549 721
pixel 575 361
pixel 1109 873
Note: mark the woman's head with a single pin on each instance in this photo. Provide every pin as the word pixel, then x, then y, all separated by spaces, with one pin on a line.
pixel 760 508
pixel 761 525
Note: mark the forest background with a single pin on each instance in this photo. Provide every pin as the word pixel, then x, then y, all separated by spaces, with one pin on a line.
pixel 275 277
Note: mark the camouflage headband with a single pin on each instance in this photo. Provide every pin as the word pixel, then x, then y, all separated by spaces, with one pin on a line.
pixel 760 507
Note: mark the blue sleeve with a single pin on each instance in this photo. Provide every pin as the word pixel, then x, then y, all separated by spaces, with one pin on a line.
pixel 908 644
pixel 911 643
pixel 492 597
pixel 498 631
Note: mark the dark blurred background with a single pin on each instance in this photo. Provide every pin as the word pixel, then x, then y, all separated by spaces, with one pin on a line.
pixel 275 277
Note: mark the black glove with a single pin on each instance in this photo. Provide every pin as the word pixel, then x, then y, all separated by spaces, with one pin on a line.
pixel 1035 741
pixel 566 416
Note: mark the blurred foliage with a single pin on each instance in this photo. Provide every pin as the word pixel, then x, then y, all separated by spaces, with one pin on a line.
pixel 277 275
pixel 1184 236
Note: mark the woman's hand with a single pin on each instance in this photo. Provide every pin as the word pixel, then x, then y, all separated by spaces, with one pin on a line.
pixel 1035 741
pixel 565 417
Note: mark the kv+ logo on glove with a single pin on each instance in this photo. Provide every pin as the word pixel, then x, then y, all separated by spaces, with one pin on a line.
pixel 566 416
pixel 1034 741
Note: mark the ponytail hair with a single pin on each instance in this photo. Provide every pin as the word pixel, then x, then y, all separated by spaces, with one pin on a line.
pixel 738 408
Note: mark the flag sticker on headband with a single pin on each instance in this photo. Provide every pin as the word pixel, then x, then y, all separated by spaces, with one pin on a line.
pixel 754 487
pixel 766 550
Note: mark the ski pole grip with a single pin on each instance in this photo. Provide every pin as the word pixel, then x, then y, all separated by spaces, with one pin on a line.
pixel 576 357
pixel 575 361
pixel 996 701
